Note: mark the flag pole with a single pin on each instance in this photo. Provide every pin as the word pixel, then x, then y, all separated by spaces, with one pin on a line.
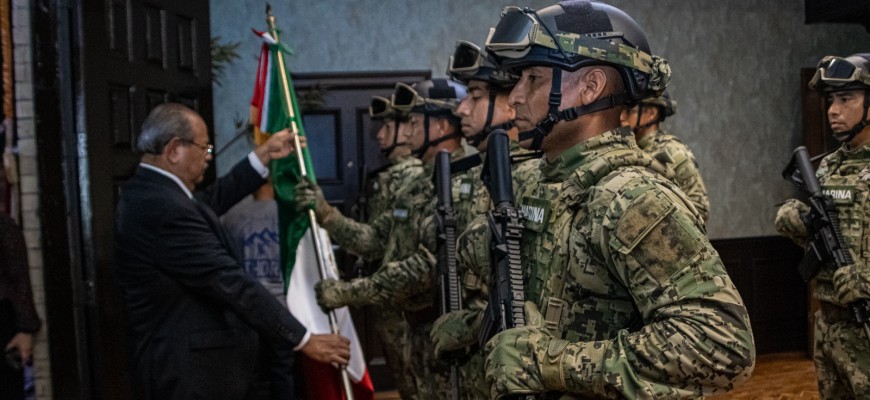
pixel 312 219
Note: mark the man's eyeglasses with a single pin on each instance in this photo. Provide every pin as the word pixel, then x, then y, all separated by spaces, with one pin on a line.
pixel 208 148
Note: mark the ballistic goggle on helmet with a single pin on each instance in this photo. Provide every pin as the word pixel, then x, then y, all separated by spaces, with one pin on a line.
pixel 381 108
pixel 836 73
pixel 664 102
pixel 431 97
pixel 574 34
pixel 469 63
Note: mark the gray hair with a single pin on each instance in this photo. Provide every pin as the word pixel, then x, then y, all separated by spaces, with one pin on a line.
pixel 163 123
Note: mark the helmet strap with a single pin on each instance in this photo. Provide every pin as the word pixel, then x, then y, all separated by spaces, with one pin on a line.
pixel 554 115
pixel 430 143
pixel 479 137
pixel 386 152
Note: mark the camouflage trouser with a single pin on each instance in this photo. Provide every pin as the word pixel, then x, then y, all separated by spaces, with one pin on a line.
pixel 842 357
pixel 432 375
pixel 473 378
pixel 394 332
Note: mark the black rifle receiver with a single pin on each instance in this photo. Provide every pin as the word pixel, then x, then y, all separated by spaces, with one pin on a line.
pixel 823 222
pixel 451 299
pixel 506 298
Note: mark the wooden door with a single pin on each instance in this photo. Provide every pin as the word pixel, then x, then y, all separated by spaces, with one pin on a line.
pixel 343 148
pixel 129 56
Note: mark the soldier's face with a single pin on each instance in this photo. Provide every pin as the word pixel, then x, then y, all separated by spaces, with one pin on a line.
pixel 530 96
pixel 845 109
pixel 386 133
pixel 418 131
pixel 474 108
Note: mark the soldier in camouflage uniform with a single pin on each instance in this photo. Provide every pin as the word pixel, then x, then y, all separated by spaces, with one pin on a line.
pixel 389 236
pixel 634 301
pixel 394 145
pixel 841 348
pixel 484 109
pixel 407 283
pixel 645 119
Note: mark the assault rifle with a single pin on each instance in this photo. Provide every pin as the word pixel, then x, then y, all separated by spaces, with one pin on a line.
pixel 826 239
pixel 445 216
pixel 506 298
pixel 505 308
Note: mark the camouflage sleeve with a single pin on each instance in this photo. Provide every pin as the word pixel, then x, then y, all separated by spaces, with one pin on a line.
pixel 399 279
pixel 696 339
pixel 689 179
pixel 379 201
pixel 788 221
pixel 365 240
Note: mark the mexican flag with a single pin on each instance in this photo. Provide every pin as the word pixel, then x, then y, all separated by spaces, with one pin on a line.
pixel 272 111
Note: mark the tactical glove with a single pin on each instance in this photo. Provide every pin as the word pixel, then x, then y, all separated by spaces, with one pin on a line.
pixel 309 196
pixel 789 222
pixel 454 331
pixel 852 283
pixel 332 293
pixel 525 360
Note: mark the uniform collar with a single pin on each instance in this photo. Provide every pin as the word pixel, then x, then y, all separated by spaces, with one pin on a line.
pixel 570 160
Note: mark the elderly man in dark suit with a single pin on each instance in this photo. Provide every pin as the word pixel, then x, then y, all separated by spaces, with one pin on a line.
pixel 198 320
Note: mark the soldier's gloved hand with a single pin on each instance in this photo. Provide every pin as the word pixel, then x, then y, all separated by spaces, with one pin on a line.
pixel 788 221
pixel 309 195
pixel 333 293
pixel 852 283
pixel 525 360
pixel 453 331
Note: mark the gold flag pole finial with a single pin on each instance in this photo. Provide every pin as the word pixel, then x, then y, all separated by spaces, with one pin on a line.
pixel 303 170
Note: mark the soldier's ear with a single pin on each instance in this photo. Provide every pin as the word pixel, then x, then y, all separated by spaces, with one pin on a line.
pixel 592 84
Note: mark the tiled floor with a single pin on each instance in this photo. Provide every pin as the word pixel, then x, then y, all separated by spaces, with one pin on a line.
pixel 785 376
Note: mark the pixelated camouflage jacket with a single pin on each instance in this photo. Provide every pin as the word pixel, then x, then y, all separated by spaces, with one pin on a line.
pixel 408 281
pixel 669 149
pixel 844 176
pixel 618 263
pixel 381 197
pixel 393 234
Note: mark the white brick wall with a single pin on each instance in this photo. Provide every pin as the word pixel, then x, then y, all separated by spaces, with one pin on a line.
pixel 30 222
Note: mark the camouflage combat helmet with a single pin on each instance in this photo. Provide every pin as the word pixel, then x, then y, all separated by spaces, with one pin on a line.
pixel 438 98
pixel 666 105
pixel 575 34
pixel 380 109
pixel 836 74
pixel 468 64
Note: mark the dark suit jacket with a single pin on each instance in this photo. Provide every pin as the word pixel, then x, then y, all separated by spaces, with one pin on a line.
pixel 194 312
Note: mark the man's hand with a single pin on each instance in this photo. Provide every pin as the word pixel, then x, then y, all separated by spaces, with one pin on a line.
pixel 279 145
pixel 852 283
pixel 453 331
pixel 328 349
pixel 308 194
pixel 24 343
pixel 789 221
